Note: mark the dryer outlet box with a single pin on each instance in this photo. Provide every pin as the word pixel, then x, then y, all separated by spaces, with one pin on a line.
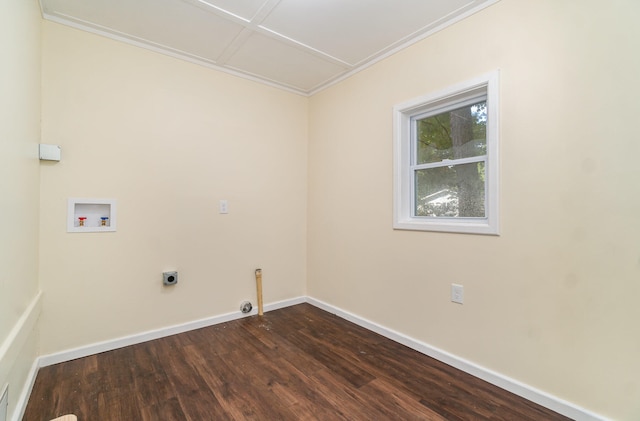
pixel 169 278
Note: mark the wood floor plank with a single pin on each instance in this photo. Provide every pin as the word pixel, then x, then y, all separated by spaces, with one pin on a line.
pixel 398 403
pixel 168 410
pixel 326 353
pixel 283 349
pixel 297 363
pixel 196 398
pixel 239 395
pixel 151 384
pixel 438 383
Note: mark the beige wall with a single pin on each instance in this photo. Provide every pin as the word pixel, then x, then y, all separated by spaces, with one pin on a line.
pixel 167 139
pixel 551 302
pixel 19 187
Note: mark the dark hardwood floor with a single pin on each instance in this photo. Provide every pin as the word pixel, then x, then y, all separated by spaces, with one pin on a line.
pixel 297 363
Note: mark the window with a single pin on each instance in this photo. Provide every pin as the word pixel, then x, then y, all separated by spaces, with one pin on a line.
pixel 446 159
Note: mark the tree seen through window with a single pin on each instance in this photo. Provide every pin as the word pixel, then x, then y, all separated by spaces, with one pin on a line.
pixel 450 154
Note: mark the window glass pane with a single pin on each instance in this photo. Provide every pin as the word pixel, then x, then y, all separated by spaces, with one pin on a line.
pixel 450 191
pixel 456 134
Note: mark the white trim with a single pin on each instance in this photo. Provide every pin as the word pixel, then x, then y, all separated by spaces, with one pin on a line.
pixel 192 58
pixel 168 51
pixel 514 386
pixel 13 344
pixel 16 338
pixel 4 402
pixel 25 393
pixel 487 84
pixel 121 342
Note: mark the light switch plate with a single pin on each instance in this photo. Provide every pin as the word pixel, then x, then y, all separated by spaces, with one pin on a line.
pixel 457 293
pixel 223 206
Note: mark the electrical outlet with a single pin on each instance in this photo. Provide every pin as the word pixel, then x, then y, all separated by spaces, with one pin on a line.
pixel 223 206
pixel 457 293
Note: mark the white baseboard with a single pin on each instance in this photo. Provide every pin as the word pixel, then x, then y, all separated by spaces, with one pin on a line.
pixel 514 386
pixel 23 399
pixel 121 342
pixel 71 354
pixel 16 338
pixel 13 345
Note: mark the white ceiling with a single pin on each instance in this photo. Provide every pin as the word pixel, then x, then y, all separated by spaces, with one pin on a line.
pixel 298 45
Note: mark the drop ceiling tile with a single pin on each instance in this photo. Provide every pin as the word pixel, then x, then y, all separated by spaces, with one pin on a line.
pixel 174 24
pixel 299 45
pixel 277 61
pixel 355 30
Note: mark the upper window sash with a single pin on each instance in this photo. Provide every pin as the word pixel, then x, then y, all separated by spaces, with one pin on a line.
pixel 454 103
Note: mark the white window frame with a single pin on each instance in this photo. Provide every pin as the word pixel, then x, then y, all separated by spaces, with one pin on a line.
pixel 485 86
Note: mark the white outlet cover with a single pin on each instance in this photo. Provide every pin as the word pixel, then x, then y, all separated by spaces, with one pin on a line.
pixel 224 207
pixel 457 293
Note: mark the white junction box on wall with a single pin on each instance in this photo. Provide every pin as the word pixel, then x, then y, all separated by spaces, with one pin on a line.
pixel 49 152
pixel 91 215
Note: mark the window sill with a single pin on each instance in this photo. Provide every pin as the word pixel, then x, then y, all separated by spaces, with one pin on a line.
pixel 476 226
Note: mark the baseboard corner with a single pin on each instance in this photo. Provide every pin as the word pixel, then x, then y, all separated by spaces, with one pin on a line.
pixel 516 387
